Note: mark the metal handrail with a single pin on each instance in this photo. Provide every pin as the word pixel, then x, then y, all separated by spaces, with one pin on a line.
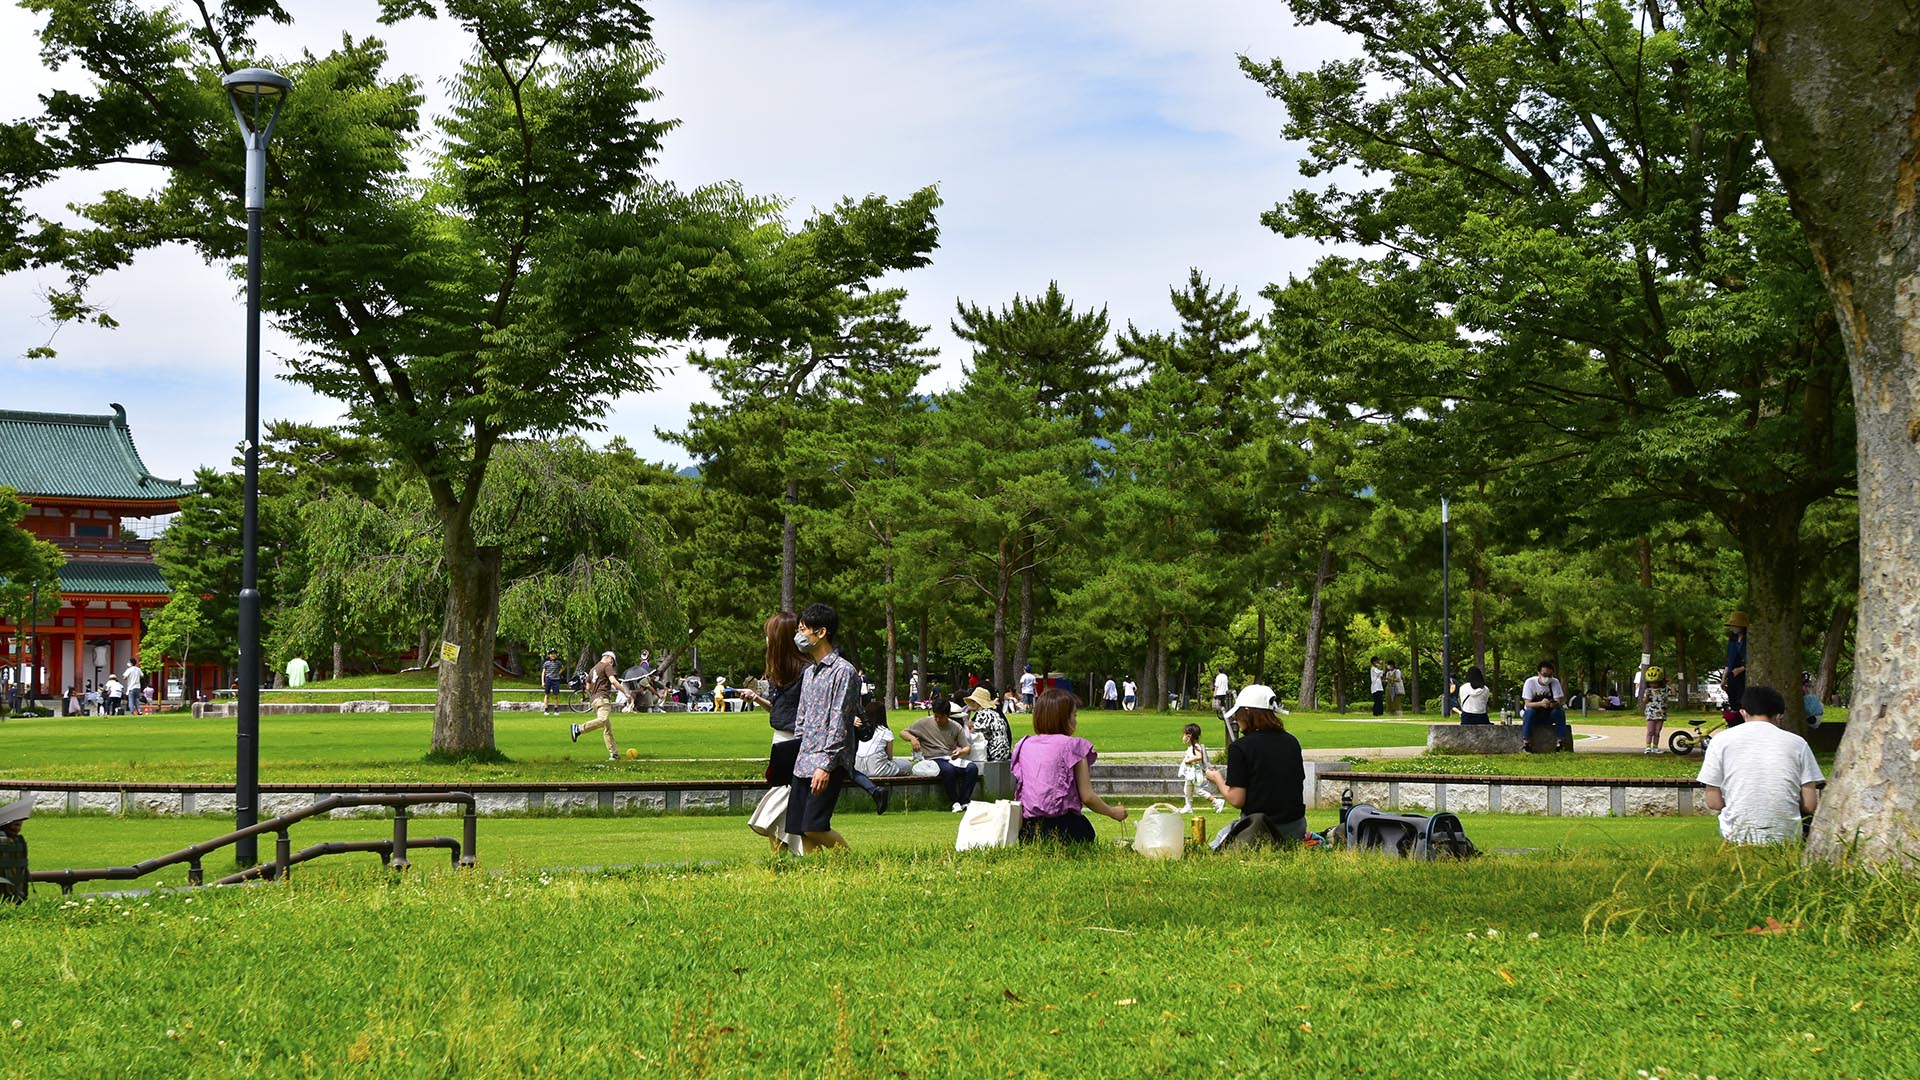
pixel 392 852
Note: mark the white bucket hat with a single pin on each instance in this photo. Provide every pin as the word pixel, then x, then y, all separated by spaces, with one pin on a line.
pixel 1255 697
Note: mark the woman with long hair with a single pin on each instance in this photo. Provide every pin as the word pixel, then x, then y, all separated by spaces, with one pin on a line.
pixel 1266 772
pixel 1473 697
pixel 784 664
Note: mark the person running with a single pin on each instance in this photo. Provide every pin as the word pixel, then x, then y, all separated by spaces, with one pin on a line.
pixel 603 685
pixel 1051 778
pixel 553 674
pixel 1193 771
pixel 829 696
pixel 1655 694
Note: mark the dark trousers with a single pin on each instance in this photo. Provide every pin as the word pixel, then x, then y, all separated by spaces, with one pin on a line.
pixel 958 779
pixel 1555 716
pixel 1379 703
pixel 1071 828
pixel 865 783
pixel 1474 718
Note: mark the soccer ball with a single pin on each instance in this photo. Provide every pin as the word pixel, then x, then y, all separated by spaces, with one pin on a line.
pixel 633 754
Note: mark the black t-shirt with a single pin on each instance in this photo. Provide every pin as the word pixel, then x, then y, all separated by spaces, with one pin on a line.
pixel 1268 764
pixel 786 706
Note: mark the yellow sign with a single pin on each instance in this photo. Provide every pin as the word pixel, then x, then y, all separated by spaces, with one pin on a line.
pixel 449 652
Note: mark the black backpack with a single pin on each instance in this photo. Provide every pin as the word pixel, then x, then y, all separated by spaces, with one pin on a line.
pixel 1410 836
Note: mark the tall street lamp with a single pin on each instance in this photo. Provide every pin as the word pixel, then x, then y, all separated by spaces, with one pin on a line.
pixel 257 95
pixel 1446 621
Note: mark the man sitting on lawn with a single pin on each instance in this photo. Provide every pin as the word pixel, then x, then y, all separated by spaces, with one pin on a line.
pixel 1759 777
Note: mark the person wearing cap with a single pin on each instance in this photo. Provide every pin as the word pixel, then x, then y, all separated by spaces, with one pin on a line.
pixel 603 685
pixel 552 673
pixel 936 737
pixel 1028 683
pixel 992 737
pixel 1734 682
pixel 1760 778
pixel 13 850
pixel 1266 773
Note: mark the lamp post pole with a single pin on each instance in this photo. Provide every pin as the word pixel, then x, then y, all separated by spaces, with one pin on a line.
pixel 257 96
pixel 1446 621
pixel 33 649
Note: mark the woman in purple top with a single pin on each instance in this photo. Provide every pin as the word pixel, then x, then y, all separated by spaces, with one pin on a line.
pixel 1050 776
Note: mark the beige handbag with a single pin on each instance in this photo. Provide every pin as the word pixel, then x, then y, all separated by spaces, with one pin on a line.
pixel 769 818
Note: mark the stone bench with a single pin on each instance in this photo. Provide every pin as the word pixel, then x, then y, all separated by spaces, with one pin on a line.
pixel 1475 739
pixel 1551 796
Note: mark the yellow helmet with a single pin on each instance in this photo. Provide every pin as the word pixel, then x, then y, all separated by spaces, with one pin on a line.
pixel 1656 674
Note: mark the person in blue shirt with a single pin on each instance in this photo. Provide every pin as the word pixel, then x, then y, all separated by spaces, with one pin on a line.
pixel 1734 682
pixel 1816 709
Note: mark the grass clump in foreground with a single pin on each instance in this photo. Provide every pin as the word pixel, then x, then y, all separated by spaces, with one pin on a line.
pixel 1018 963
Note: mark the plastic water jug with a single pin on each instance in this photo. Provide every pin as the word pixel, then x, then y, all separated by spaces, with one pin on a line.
pixel 1161 833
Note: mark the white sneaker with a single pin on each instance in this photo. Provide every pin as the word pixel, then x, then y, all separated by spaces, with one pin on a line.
pixel 1186 808
pixel 957 808
pixel 1219 806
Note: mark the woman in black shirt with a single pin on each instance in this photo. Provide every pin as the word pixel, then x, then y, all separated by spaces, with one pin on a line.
pixel 1266 773
pixel 784 667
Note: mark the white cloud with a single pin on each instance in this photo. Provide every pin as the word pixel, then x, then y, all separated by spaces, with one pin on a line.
pixel 1106 144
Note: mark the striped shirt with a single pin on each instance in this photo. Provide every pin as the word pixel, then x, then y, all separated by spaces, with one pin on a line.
pixel 829 694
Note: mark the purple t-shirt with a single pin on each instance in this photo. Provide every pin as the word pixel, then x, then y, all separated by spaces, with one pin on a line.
pixel 1043 774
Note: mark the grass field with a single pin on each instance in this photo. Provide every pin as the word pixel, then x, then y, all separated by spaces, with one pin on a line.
pixel 390 746
pixel 906 962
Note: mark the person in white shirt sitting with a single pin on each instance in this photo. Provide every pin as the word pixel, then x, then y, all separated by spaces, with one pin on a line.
pixel 1761 779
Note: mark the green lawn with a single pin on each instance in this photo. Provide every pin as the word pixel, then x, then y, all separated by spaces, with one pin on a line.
pixel 389 746
pixel 906 962
pixel 87 840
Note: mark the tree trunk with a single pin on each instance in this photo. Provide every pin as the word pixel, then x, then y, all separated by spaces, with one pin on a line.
pixel 1836 88
pixel 1413 669
pixel 1023 645
pixel 1149 675
pixel 1477 586
pixel 1316 624
pixel 1685 666
pixel 893 635
pixel 1646 600
pixel 920 662
pixel 1768 532
pixel 423 648
pixel 1160 665
pixel 339 660
pixel 516 664
pixel 463 712
pixel 789 544
pixel 1002 594
pixel 1340 671
pixel 1830 645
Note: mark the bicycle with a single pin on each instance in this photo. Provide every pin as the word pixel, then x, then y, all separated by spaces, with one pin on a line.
pixel 1697 734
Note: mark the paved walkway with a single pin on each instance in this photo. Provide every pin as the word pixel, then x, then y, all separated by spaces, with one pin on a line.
pixel 1588 738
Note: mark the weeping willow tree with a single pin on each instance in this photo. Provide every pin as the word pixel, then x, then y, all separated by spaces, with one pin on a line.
pixel 583 561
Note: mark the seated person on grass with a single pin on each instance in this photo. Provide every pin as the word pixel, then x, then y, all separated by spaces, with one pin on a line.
pixel 1051 777
pixel 1266 773
pixel 939 738
pixel 1761 779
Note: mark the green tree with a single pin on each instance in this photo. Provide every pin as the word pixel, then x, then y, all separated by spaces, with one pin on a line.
pixel 171 632
pixel 527 275
pixel 1579 270
pixel 29 569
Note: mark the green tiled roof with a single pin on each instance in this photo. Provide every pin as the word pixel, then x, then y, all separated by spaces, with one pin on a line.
pixel 77 457
pixel 134 578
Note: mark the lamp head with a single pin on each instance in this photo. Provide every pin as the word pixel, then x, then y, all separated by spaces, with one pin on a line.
pixel 257 95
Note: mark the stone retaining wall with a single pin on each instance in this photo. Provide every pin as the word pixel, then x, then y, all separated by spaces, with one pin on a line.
pixel 1553 796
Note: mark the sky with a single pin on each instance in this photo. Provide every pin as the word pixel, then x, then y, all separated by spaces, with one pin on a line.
pixel 1109 145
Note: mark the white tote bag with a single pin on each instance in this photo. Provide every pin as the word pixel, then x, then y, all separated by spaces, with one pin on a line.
pixel 770 816
pixel 985 824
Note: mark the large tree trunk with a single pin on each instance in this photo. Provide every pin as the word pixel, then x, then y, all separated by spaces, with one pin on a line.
pixel 1149 673
pixel 789 545
pixel 1830 645
pixel 1768 532
pixel 463 711
pixel 1316 625
pixel 1413 669
pixel 1340 671
pixel 1684 665
pixel 339 660
pixel 1646 599
pixel 1837 91
pixel 1160 665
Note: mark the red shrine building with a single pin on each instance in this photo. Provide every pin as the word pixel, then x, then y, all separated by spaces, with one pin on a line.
pixel 84 484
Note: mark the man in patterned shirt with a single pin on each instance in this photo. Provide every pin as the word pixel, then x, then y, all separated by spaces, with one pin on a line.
pixel 829 696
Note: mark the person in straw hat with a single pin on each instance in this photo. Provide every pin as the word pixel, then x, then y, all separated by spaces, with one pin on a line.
pixel 992 737
pixel 1734 682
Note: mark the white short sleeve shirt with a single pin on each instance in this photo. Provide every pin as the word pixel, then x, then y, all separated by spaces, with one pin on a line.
pixel 1759 769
